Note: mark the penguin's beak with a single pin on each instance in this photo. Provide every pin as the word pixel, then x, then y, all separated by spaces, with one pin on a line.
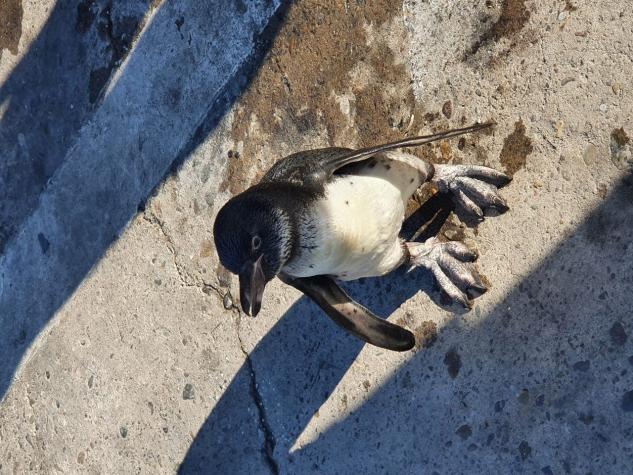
pixel 252 283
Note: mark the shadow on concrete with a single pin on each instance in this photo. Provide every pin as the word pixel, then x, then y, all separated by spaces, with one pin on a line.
pixel 53 91
pixel 302 359
pixel 541 384
pixel 50 99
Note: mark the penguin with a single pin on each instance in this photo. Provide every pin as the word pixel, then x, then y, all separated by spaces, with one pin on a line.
pixel 335 214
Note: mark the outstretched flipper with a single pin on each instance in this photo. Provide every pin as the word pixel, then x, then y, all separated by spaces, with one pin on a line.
pixel 314 168
pixel 350 315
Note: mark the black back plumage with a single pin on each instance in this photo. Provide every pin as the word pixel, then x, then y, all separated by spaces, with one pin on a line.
pixel 314 168
pixel 307 169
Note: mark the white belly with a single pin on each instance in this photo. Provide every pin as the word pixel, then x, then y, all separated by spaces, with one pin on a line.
pixel 353 231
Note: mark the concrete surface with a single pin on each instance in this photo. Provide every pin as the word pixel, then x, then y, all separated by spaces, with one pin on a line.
pixel 123 351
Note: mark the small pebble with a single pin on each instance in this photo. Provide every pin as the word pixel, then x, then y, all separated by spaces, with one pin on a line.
pixel 189 392
pixel 604 108
pixel 447 109
pixel 567 80
pixel 228 301
pixel 618 334
pixel 562 15
pixel 616 88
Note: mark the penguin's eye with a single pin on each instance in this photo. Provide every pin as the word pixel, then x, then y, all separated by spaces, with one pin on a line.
pixel 256 242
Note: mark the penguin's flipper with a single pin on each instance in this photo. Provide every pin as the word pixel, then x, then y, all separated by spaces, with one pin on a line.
pixel 350 315
pixel 333 163
pixel 316 167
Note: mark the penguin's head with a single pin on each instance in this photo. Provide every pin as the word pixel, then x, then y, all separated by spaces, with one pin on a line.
pixel 253 240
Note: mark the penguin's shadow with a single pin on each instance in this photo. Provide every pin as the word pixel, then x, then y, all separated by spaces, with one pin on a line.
pixel 542 383
pixel 318 347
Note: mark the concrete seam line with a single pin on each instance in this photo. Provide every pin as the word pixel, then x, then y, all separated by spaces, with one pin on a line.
pixel 268 447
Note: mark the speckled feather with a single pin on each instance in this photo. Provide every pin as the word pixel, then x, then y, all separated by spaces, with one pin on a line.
pixel 351 230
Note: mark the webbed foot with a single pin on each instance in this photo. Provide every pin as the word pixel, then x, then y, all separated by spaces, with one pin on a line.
pixel 452 265
pixel 474 187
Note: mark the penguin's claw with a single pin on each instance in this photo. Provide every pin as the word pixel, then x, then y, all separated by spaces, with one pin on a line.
pixel 473 187
pixel 451 264
pixel 467 203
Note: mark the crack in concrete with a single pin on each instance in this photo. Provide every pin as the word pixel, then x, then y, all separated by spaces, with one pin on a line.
pixel 186 279
pixel 268 448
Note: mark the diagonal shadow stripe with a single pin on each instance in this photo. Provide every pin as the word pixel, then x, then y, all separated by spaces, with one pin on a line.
pixel 53 92
pixel 542 385
pixel 163 103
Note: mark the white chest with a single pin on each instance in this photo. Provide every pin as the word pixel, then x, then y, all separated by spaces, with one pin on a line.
pixel 353 231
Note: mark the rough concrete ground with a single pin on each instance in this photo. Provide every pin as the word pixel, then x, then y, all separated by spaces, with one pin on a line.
pixel 138 365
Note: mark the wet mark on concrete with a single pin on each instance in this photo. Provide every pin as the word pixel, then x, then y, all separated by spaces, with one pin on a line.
pixel 118 33
pixel 516 147
pixel 586 419
pixel 11 12
pixel 206 248
pixel 618 334
pixel 627 401
pixel 241 7
pixel 617 145
pixel 44 243
pixel 86 13
pixel 513 17
pixel 582 366
pixel 619 137
pixel 524 397
pixel 525 450
pixel 464 432
pixel 331 78
pixel 425 334
pixel 453 363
